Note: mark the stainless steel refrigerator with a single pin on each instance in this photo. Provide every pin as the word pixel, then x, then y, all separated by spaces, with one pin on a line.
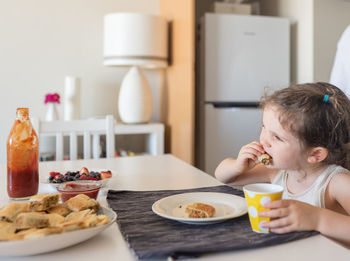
pixel 241 58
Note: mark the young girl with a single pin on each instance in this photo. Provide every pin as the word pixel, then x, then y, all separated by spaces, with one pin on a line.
pixel 306 131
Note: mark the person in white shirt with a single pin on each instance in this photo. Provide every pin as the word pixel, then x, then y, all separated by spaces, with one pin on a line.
pixel 340 75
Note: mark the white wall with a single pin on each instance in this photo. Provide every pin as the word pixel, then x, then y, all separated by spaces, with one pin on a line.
pixel 301 14
pixel 331 17
pixel 42 41
pixel 319 24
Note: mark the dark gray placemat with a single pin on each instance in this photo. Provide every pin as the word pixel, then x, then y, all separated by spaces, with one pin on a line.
pixel 151 236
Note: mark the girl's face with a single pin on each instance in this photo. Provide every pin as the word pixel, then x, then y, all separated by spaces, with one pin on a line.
pixel 278 142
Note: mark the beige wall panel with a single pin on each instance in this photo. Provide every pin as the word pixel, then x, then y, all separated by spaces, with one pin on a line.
pixel 180 79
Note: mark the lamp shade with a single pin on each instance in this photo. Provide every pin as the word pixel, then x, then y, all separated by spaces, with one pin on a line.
pixel 133 39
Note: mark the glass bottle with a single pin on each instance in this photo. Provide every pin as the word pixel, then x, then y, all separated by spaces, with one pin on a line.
pixel 22 158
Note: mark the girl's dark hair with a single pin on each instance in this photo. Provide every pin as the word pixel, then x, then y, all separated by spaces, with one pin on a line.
pixel 318 114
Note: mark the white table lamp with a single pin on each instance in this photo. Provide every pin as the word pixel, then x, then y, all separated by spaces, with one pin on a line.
pixel 137 41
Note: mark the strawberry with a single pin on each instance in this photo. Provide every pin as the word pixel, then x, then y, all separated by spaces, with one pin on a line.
pixel 57 176
pixel 52 173
pixel 82 177
pixel 106 174
pixel 84 171
pixel 91 178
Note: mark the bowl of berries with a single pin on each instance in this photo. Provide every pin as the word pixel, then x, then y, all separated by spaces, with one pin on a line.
pixel 56 178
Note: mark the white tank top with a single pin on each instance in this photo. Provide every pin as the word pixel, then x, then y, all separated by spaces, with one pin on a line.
pixel 313 195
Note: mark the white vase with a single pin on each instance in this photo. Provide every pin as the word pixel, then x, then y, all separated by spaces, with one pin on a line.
pixel 135 98
pixel 51 112
pixel 71 98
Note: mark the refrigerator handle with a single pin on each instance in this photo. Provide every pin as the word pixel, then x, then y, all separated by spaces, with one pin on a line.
pixel 247 104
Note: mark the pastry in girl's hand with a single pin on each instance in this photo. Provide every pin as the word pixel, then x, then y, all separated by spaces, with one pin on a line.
pixel 265 159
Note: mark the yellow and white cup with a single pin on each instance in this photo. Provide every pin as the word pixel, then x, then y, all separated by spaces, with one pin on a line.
pixel 256 196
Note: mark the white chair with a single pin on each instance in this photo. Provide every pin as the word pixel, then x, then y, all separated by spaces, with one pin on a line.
pixel 75 128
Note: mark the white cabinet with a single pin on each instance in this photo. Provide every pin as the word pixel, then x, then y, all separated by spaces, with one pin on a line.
pixel 153 141
pixel 154 132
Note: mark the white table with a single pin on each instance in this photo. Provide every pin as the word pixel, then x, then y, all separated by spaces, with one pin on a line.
pixel 157 173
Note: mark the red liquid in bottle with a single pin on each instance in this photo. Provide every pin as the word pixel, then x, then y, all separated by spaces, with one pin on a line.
pixel 22 158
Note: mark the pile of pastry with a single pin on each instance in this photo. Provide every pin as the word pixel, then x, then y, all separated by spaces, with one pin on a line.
pixel 44 215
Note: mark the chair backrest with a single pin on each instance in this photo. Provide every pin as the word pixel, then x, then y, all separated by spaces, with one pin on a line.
pixel 75 128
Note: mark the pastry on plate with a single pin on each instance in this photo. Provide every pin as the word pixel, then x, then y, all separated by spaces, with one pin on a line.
pixel 7 230
pixel 72 225
pixel 200 210
pixel 81 202
pixel 59 209
pixel 32 220
pixel 43 216
pixel 43 202
pixel 78 215
pixel 102 220
pixel 95 220
pixel 54 219
pixel 265 159
pixel 38 233
pixel 10 211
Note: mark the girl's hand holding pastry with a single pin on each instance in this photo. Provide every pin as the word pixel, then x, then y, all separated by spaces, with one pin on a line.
pixel 248 156
pixel 241 171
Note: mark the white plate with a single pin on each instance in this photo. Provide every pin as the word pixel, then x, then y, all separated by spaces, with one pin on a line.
pixel 54 242
pixel 227 206
pixel 104 182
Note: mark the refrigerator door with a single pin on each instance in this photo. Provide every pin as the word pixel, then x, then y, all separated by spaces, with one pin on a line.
pixel 242 55
pixel 226 130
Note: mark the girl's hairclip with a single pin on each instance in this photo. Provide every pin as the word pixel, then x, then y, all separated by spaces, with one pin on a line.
pixel 325 98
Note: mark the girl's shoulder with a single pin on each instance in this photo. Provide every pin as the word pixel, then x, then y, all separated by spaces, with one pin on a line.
pixel 340 171
pixel 340 181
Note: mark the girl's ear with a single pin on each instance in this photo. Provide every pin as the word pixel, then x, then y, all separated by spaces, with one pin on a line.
pixel 317 154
